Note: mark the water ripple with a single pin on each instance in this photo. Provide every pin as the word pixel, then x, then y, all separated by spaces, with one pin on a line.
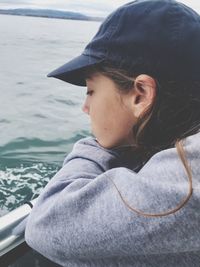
pixel 68 102
pixel 27 164
pixel 4 121
pixel 23 183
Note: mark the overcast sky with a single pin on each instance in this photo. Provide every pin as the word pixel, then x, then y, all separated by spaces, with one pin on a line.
pixel 88 7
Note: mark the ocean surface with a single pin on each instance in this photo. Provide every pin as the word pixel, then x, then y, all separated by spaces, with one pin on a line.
pixel 40 117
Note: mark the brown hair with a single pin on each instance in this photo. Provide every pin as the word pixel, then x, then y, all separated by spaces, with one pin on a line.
pixel 173 115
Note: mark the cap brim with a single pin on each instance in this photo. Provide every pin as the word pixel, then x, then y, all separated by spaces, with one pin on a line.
pixel 74 70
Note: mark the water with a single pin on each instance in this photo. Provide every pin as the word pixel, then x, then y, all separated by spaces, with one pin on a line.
pixel 40 117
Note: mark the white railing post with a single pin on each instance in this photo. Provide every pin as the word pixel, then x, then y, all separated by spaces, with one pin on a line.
pixel 8 222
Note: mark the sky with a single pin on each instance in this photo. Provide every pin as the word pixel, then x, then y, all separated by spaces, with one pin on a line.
pixel 88 7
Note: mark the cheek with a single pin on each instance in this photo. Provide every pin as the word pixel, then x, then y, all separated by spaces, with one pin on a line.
pixel 122 125
pixel 112 128
pixel 101 117
pixel 100 121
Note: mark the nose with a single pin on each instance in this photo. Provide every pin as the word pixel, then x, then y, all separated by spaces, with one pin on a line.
pixel 85 107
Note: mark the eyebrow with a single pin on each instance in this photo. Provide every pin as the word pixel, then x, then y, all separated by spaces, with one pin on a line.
pixel 89 74
pixel 88 78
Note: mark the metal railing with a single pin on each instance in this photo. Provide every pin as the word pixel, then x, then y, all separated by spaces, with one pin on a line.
pixel 8 240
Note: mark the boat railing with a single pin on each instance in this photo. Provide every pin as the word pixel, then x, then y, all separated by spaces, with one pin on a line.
pixel 9 240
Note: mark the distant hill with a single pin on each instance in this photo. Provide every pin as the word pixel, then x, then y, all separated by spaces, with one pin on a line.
pixel 48 13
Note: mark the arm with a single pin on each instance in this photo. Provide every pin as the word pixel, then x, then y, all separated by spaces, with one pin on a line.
pixel 80 215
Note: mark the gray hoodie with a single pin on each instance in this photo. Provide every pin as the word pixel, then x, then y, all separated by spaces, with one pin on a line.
pixel 80 218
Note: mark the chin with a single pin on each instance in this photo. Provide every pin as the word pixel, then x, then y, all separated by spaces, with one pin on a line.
pixel 106 144
pixel 101 142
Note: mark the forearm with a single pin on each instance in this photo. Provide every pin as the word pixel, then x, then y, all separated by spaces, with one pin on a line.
pixel 80 214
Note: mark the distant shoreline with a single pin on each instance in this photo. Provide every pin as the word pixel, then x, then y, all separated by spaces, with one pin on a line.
pixel 46 13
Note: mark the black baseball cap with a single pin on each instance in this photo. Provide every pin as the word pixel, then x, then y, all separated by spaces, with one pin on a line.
pixel 160 37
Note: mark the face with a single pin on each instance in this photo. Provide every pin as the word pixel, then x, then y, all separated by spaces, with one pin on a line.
pixel 111 112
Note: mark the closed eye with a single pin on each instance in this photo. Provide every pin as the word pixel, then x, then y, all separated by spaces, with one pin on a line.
pixel 89 92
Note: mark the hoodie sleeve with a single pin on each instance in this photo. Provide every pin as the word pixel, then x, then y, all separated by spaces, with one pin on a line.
pixel 81 215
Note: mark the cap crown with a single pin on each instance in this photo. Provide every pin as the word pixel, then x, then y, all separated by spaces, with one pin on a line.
pixel 158 37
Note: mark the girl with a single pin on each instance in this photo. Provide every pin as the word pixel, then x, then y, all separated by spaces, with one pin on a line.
pixel 130 196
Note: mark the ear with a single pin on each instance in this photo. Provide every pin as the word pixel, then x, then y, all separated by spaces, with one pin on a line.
pixel 144 93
